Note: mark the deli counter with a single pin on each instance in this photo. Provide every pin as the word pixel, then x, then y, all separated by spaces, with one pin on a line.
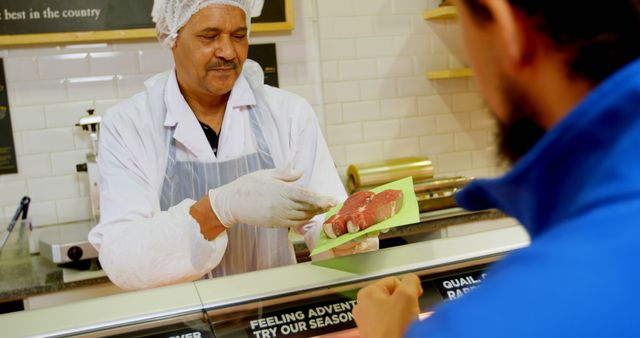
pixel 312 299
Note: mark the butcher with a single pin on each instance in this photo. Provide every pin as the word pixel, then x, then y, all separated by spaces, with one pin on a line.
pixel 205 171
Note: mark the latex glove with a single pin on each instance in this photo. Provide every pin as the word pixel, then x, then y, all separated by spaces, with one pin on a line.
pixel 370 242
pixel 268 198
pixel 387 307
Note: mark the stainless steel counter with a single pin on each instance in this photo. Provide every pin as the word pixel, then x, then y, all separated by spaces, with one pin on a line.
pixel 200 300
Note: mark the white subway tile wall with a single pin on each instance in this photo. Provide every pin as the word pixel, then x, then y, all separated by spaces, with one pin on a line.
pixel 379 104
pixel 64 114
pixel 360 63
pixel 364 152
pixel 28 118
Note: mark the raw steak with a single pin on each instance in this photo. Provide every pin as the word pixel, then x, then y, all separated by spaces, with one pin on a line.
pixel 336 225
pixel 381 207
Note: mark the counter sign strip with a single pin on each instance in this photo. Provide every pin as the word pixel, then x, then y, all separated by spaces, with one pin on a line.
pixel 305 320
pixel 454 287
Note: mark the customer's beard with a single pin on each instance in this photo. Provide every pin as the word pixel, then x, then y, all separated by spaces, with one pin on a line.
pixel 520 132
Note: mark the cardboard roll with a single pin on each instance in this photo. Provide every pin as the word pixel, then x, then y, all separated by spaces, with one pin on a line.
pixel 370 175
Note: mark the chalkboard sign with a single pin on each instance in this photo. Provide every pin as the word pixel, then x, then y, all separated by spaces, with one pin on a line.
pixel 265 55
pixel 53 21
pixel 273 11
pixel 57 16
pixel 7 148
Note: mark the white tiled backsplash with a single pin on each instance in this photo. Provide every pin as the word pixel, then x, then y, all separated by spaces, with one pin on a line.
pixel 378 104
pixel 360 63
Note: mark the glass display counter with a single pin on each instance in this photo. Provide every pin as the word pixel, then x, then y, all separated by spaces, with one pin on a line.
pixel 303 300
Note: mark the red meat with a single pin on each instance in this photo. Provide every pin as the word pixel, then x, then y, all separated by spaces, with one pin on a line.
pixel 381 207
pixel 336 225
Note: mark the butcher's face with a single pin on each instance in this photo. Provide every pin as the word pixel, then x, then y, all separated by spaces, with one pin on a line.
pixel 211 49
pixel 517 129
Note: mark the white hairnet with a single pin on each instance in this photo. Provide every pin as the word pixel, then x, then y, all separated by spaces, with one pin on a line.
pixel 171 15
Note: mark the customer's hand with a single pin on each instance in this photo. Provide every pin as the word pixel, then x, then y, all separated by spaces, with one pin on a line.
pixel 267 198
pixel 387 307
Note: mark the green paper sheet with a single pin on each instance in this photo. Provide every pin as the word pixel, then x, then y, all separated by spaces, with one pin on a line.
pixel 409 214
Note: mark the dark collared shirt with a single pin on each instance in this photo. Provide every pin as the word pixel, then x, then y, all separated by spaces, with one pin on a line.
pixel 212 137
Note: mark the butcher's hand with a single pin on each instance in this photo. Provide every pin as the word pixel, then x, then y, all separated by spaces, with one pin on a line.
pixel 369 242
pixel 387 307
pixel 267 198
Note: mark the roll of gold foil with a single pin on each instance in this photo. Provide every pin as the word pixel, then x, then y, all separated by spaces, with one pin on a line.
pixel 369 175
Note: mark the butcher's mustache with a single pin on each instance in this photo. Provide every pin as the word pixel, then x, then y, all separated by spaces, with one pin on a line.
pixel 222 64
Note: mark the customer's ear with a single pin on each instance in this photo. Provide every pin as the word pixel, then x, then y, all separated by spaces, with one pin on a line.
pixel 516 35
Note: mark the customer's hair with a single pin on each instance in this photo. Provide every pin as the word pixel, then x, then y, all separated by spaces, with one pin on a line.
pixel 601 36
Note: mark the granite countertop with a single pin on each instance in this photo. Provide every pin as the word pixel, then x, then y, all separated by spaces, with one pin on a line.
pixel 23 274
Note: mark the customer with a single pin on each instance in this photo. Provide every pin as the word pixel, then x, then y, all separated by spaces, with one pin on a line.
pixel 563 78
pixel 188 186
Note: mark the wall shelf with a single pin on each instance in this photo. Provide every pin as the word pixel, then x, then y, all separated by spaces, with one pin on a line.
pixel 449 74
pixel 440 13
pixel 445 12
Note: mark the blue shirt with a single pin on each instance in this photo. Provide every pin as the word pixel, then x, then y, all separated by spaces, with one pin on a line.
pixel 577 192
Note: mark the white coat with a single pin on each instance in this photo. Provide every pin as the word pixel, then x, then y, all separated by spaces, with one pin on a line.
pixel 141 246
